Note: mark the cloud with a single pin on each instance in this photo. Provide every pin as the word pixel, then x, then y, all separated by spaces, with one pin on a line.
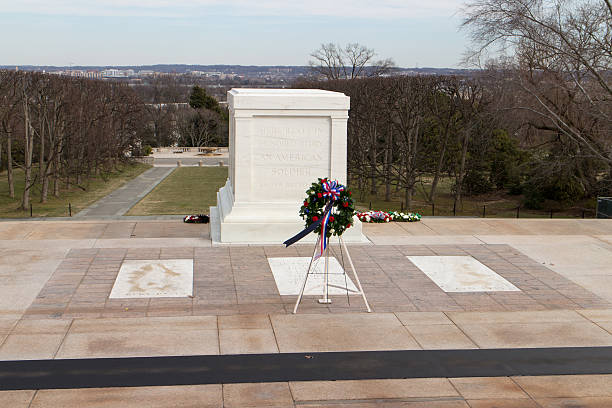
pixel 382 9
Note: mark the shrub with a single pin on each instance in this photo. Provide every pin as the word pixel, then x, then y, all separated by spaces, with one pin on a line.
pixel 476 182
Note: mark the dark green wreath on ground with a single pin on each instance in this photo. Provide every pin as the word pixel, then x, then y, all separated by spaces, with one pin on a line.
pixel 342 211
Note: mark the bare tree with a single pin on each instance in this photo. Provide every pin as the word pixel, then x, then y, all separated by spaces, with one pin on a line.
pixel 352 61
pixel 442 108
pixel 560 58
pixel 471 103
pixel 72 128
pixel 8 108
pixel 198 127
pixel 408 113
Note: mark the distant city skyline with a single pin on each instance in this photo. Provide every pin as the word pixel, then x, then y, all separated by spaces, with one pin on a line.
pixel 241 32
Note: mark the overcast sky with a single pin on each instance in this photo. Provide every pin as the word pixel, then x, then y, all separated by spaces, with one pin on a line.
pixel 253 32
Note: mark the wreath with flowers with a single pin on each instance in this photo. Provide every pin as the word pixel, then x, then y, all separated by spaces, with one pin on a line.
pixel 317 197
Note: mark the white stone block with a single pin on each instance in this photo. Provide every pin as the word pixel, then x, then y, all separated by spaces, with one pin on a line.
pixel 280 141
pixel 155 278
pixel 461 274
pixel 289 275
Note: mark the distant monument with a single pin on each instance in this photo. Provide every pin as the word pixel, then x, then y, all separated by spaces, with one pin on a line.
pixel 280 141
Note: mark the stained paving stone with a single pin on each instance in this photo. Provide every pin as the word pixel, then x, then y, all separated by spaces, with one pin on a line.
pixel 257 395
pixel 371 389
pixel 30 346
pixel 506 403
pixel 191 396
pixel 585 402
pixel 17 399
pixel 246 341
pixel 362 331
pixel 495 388
pixel 512 335
pixel 440 336
pixel 566 386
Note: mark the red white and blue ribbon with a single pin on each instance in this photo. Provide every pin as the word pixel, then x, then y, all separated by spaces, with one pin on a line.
pixel 332 189
pixel 324 239
pixel 311 228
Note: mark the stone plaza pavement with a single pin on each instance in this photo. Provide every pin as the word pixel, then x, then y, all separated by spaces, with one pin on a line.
pixel 56 277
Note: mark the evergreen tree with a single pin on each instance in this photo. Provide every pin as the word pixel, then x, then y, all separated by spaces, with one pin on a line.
pixel 199 99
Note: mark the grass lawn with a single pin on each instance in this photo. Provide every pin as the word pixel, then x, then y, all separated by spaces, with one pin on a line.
pixel 79 199
pixel 188 190
pixel 192 190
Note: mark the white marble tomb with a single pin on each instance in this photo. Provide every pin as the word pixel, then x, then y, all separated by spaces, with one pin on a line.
pixel 461 274
pixel 280 141
pixel 155 278
pixel 289 276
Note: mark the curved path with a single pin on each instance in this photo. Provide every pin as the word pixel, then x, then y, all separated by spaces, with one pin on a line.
pixel 121 200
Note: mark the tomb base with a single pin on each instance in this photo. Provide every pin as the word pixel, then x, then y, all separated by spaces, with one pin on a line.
pixel 263 223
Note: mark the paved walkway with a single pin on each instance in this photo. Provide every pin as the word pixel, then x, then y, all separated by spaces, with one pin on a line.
pixel 121 200
pixel 56 276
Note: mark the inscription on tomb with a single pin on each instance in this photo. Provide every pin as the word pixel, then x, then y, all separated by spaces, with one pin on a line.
pixel 288 154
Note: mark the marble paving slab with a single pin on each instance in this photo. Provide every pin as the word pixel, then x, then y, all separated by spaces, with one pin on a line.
pixel 289 274
pixel 461 274
pixel 154 278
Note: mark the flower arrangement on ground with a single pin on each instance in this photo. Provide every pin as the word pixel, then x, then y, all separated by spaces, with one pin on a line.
pixel 374 216
pixel 197 219
pixel 405 217
pixel 343 207
pixel 383 216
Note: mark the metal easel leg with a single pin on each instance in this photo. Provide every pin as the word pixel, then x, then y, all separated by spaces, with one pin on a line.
pixel 348 255
pixel 299 299
pixel 326 299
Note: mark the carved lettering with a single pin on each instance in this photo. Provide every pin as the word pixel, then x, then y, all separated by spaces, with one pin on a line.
pixel 290 157
pixel 290 171
pixel 287 154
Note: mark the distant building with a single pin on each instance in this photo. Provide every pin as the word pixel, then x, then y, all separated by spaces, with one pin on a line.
pixel 77 73
pixel 113 73
pixel 93 74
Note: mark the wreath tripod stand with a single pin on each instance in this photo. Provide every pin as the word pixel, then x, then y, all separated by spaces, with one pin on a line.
pixel 326 284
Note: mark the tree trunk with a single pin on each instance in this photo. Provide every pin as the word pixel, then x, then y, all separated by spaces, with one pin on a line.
pixel 45 190
pixel 156 134
pixel 46 175
pixel 9 165
pixel 41 160
pixel 56 175
pixel 27 150
pixel 461 175
pixel 373 150
pixel 387 182
pixel 362 187
pixel 408 197
pixel 57 167
pixel 387 165
pixel 436 179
